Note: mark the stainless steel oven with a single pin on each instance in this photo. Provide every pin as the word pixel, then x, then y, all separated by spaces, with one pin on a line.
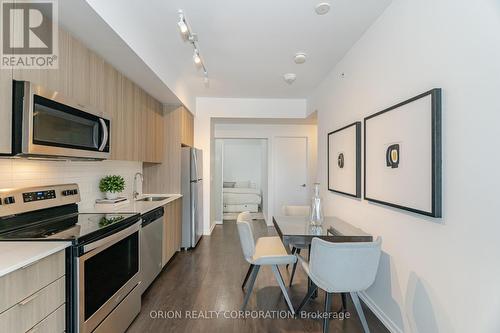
pixel 108 279
pixel 48 124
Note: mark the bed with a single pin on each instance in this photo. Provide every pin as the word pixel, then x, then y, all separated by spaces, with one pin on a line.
pixel 241 197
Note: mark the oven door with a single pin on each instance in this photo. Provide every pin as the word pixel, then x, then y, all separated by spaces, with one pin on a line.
pixel 107 271
pixel 52 125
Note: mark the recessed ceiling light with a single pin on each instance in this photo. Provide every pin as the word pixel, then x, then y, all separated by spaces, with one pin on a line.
pixel 300 58
pixel 289 77
pixel 322 8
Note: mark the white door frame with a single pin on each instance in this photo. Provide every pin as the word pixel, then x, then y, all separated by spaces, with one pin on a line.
pixel 269 165
pixel 222 176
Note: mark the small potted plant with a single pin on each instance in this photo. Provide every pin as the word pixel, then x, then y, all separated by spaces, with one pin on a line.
pixel 111 186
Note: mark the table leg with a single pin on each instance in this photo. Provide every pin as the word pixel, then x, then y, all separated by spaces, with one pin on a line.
pixel 286 243
pixel 309 282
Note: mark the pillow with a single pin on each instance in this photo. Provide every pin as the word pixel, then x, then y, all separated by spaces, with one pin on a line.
pixel 245 184
pixel 229 184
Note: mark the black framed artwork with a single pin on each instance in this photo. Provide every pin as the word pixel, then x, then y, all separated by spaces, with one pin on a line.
pixel 344 160
pixel 402 155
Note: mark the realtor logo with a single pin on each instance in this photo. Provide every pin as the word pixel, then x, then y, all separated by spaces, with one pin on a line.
pixel 29 34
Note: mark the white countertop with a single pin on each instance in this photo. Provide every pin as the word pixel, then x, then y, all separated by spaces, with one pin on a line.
pixel 139 207
pixel 14 255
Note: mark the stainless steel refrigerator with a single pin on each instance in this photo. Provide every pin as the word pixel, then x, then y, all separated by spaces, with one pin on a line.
pixel 192 196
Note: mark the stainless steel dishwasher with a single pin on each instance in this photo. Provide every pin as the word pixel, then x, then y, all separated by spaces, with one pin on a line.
pixel 151 246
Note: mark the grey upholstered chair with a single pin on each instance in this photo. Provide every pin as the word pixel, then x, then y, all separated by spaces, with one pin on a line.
pixel 259 252
pixel 289 210
pixel 341 268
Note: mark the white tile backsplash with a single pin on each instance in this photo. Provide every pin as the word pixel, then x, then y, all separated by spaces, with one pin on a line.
pixel 15 173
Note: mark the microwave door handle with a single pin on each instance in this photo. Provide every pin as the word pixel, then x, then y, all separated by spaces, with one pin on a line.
pixel 105 134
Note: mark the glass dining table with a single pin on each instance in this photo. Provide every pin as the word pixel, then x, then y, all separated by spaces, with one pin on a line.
pixel 298 230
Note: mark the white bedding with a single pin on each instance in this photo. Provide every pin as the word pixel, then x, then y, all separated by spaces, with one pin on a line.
pixel 252 208
pixel 240 196
pixel 241 190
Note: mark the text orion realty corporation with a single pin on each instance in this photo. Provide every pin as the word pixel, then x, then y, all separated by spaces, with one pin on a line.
pixel 29 34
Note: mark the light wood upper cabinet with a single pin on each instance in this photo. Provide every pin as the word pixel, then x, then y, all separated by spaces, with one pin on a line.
pixel 137 131
pixel 55 79
pixel 187 128
pixel 151 130
pixel 79 73
pixel 97 77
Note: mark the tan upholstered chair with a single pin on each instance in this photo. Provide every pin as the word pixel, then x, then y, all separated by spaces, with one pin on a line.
pixel 259 252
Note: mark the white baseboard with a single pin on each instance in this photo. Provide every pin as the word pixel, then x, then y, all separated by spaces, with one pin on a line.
pixel 388 323
pixel 209 232
pixel 218 222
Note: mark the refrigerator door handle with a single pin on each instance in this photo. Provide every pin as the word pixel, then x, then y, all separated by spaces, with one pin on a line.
pixel 195 161
pixel 194 209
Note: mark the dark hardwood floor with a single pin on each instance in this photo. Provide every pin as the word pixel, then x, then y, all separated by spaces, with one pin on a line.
pixel 209 279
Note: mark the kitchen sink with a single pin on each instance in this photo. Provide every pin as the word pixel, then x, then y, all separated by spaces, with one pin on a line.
pixel 153 199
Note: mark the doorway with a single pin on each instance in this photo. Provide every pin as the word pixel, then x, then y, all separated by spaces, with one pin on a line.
pixel 240 178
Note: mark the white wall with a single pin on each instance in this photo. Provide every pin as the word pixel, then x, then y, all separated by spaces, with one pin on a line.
pixel 243 160
pixel 264 176
pixel 270 133
pixel 435 275
pixel 208 108
pixel 18 173
pixel 218 179
pixel 250 107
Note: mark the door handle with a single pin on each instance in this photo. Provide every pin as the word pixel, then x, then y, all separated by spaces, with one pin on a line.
pixel 303 185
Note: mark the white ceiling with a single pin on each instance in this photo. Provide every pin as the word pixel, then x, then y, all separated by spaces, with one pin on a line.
pixel 247 45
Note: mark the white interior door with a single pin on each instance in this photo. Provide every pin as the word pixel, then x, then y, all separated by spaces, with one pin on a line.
pixel 290 172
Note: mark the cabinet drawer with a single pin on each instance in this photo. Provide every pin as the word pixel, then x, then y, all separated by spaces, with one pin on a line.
pixel 54 323
pixel 26 281
pixel 33 309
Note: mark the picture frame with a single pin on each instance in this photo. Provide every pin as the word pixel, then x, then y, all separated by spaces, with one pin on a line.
pixel 402 155
pixel 344 160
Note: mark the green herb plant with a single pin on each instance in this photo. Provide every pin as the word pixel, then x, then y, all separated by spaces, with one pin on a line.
pixel 112 184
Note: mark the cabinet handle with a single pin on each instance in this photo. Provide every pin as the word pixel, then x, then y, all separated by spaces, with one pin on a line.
pixel 28 299
pixel 34 329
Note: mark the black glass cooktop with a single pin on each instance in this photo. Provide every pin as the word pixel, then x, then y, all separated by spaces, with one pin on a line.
pixel 73 227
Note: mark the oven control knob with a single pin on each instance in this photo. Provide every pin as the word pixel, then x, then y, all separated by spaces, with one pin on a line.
pixel 9 200
pixel 67 192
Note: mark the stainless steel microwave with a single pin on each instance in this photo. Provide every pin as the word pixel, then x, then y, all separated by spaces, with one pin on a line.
pixel 49 125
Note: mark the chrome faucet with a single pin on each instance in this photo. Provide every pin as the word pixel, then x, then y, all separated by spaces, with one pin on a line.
pixel 135 193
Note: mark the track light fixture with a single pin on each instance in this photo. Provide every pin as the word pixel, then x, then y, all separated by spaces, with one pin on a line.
pixel 183 28
pixel 196 57
pixel 191 37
